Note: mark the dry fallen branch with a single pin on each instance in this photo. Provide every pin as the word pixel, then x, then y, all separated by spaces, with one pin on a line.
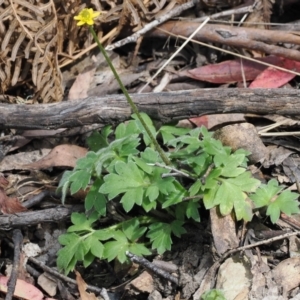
pixel 164 107
pixel 246 38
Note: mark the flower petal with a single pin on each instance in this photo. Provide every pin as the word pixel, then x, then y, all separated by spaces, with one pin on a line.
pixel 96 14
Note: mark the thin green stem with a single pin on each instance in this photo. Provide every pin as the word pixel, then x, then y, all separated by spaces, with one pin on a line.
pixel 129 100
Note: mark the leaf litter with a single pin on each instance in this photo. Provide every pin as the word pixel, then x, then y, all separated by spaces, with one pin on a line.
pixel 237 276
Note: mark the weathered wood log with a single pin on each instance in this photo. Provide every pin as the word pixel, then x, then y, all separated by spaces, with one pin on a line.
pixel 164 107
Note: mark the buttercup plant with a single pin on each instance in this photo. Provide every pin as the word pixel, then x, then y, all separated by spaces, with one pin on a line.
pixel 124 168
pixel 86 17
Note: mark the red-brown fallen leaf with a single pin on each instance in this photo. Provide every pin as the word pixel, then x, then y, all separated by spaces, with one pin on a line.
pixel 274 78
pixel 231 70
pixel 9 205
pixel 3 182
pixel 23 289
pixel 60 156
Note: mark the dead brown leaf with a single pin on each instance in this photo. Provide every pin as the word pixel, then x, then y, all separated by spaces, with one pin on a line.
pixel 84 295
pixel 60 156
pixel 286 273
pixel 224 231
pixel 19 160
pixel 81 86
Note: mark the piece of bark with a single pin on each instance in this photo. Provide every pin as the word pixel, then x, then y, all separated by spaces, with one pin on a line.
pixel 165 107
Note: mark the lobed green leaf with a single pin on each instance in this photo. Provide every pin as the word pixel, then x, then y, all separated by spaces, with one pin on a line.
pixel 97 141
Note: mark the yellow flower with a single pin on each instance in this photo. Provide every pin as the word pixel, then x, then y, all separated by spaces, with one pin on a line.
pixel 86 16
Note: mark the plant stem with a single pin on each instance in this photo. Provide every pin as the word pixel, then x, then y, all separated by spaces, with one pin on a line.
pixel 129 100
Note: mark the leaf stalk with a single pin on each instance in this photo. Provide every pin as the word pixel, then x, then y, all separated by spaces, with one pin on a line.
pixel 129 100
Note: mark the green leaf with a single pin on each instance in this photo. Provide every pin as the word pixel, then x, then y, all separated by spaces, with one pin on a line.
pixel 150 156
pixel 139 249
pixel 86 163
pixel 117 248
pixel 230 164
pixel 78 218
pixel 95 199
pixel 152 192
pixel 80 180
pixel 117 150
pixel 245 153
pixel 97 141
pixel 81 222
pixel 195 188
pixel 213 147
pixel 104 157
pixel 160 236
pixel 199 162
pixel 175 196
pixel 128 149
pixel 94 245
pixel 209 196
pixel 130 180
pixel 204 132
pixel 147 205
pixel 127 129
pixel 276 200
pixel 128 177
pixel 234 189
pixel 169 132
pixel 212 178
pixel 131 197
pixel 264 195
pixel 65 262
pixel 81 250
pixel 67 256
pixel 120 131
pixel 243 209
pixel 180 210
pixel 143 165
pixel 88 259
pixel 228 192
pixel 192 211
pixel 149 124
pixel 64 185
pixel 286 203
pixel 126 241
pixel 132 229
pixel 177 229
pixel 104 234
pixel 213 295
pixel 165 185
